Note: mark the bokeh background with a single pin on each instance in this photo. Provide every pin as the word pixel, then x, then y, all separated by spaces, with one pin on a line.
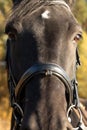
pixel 80 12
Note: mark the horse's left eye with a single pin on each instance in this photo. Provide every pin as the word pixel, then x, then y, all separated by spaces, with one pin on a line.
pixel 78 37
pixel 12 36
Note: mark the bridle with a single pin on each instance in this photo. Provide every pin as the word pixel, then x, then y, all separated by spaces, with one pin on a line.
pixel 35 70
pixel 50 69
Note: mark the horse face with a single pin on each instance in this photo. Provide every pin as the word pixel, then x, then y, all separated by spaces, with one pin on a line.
pixel 43 33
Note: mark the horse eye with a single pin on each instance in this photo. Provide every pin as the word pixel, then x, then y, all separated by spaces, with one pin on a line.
pixel 12 36
pixel 78 37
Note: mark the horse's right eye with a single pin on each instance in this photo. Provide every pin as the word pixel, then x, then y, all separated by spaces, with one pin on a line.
pixel 12 36
pixel 11 31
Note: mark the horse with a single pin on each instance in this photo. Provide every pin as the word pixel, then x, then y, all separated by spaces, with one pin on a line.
pixel 42 58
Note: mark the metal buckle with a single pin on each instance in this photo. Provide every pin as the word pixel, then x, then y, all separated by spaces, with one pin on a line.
pixel 80 124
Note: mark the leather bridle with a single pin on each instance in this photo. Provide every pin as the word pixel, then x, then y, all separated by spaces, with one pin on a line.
pixel 45 70
pixel 15 89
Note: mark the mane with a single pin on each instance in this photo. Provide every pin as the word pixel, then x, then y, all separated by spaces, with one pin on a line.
pixel 27 7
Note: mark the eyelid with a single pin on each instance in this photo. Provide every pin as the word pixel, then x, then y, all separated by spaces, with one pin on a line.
pixel 78 37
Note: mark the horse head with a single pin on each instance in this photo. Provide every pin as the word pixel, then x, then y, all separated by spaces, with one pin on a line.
pixel 41 59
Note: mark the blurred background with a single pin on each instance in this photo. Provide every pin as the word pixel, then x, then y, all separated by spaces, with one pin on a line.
pixel 80 12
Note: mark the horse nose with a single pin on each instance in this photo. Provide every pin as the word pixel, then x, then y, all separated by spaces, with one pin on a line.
pixel 68 126
pixel 24 127
pixel 64 125
pixel 28 125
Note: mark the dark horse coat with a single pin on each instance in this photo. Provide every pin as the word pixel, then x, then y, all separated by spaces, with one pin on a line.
pixel 41 61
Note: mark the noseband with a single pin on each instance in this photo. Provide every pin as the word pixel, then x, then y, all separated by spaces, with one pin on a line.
pixel 45 70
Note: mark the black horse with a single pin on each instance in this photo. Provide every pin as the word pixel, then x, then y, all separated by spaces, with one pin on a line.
pixel 41 60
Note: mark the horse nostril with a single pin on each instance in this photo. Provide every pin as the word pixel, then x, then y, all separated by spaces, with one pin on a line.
pixel 24 127
pixel 69 126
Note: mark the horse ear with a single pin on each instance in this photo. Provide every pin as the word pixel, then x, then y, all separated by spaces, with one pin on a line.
pixel 16 1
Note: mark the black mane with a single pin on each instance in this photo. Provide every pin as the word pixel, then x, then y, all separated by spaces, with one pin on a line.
pixel 26 7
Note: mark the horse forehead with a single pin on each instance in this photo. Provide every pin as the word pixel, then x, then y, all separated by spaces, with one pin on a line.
pixel 51 13
pixel 45 14
pixel 55 12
